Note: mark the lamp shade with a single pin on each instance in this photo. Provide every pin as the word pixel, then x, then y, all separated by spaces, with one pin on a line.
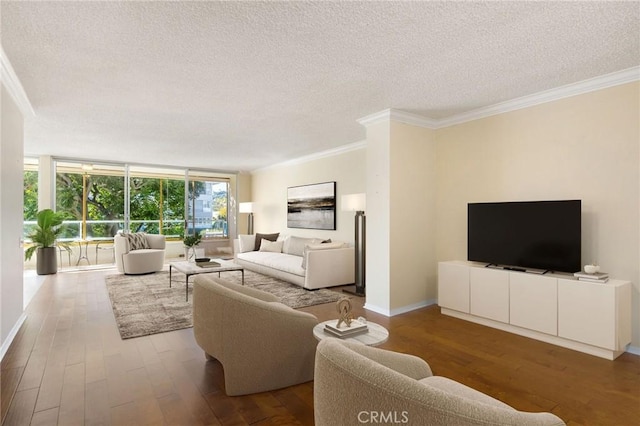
pixel 354 202
pixel 245 207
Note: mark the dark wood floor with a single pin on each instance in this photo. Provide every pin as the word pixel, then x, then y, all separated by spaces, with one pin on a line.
pixel 69 366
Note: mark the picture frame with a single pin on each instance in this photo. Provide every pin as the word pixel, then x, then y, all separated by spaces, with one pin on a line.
pixel 312 206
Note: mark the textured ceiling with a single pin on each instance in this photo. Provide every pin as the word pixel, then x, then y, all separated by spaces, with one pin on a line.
pixel 244 85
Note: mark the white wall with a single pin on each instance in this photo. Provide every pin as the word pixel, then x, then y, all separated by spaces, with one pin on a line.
pixel 378 172
pixel 269 191
pixel 584 147
pixel 11 193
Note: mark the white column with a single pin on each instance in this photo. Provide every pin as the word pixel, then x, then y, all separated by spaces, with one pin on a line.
pixel 45 183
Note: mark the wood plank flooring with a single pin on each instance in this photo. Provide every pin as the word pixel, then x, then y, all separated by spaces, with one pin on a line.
pixel 68 366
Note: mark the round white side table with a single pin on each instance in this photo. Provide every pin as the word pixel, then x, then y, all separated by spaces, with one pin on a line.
pixel 374 336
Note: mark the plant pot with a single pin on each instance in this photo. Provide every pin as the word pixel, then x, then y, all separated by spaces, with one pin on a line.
pixel 46 261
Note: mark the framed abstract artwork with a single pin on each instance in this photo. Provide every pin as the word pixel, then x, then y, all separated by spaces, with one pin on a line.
pixel 312 206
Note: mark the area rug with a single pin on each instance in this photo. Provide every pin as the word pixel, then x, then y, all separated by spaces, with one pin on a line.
pixel 144 304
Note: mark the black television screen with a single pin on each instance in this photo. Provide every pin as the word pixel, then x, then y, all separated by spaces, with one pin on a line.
pixel 544 235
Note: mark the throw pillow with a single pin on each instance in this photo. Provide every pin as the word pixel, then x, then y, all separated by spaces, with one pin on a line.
pixel 295 245
pixel 271 246
pixel 312 247
pixel 260 237
pixel 246 243
pixel 137 241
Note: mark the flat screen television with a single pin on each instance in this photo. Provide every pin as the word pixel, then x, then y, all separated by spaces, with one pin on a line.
pixel 542 235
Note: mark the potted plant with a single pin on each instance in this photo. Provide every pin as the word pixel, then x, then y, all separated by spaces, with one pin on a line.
pixel 190 242
pixel 43 238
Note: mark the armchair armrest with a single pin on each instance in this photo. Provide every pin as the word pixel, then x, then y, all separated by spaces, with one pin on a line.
pixel 409 365
pixel 121 244
pixel 156 241
pixel 253 292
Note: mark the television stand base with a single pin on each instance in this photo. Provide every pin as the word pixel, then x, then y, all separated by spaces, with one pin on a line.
pixel 517 269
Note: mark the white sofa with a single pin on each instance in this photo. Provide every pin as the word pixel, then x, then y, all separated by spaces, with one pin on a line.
pixel 139 253
pixel 307 262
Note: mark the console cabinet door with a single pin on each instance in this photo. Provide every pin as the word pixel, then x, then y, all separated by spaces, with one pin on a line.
pixel 489 294
pixel 533 302
pixel 587 313
pixel 453 286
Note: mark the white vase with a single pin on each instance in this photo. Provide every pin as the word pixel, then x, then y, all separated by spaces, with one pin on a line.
pixel 189 253
pixel 591 269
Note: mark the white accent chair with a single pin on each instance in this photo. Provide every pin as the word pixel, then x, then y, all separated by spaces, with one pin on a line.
pixel 140 261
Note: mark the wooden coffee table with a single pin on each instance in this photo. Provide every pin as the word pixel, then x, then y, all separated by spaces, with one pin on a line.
pixel 190 268
pixel 374 336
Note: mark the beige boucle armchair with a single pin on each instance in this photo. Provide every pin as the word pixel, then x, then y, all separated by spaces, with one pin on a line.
pixel 132 260
pixel 356 384
pixel 261 343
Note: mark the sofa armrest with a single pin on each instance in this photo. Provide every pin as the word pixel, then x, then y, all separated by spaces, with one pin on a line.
pixel 331 267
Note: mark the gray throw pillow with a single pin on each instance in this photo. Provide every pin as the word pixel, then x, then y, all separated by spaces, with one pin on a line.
pixel 260 237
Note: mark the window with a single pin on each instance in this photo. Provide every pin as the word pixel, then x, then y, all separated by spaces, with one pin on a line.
pixel 208 202
pixel 98 200
pixel 91 197
pixel 30 204
pixel 156 200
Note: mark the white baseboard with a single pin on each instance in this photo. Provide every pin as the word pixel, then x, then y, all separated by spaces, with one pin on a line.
pixel 12 335
pixel 376 309
pixel 401 310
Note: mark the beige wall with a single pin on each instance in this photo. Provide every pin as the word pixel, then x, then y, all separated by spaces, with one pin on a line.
pixel 269 192
pixel 11 252
pixel 584 147
pixel 412 221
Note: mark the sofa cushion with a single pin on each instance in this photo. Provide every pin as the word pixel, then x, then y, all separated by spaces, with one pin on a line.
pixel 280 261
pixel 271 246
pixel 260 237
pixel 455 388
pixel 295 245
pixel 322 246
pixel 137 240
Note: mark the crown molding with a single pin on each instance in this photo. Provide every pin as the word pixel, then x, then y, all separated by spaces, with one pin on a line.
pixel 318 155
pixel 590 85
pixel 398 115
pixel 14 87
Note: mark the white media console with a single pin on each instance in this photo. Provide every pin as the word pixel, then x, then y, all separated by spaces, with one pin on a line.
pixel 594 318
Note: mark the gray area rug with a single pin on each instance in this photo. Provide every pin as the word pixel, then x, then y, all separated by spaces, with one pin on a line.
pixel 144 304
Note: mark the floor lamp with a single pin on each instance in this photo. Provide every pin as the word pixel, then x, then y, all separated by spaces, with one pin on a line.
pixel 357 203
pixel 248 208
